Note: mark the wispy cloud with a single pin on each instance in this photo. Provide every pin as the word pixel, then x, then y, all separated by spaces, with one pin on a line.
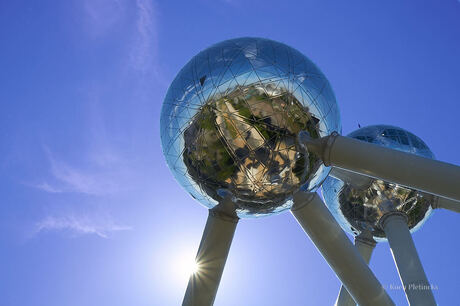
pixel 135 23
pixel 46 187
pixel 79 225
pixel 97 180
pixel 79 180
pixel 145 45
pixel 107 163
pixel 102 167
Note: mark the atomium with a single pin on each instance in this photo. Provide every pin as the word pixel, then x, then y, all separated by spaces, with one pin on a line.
pixel 247 127
pixel 230 120
pixel 359 208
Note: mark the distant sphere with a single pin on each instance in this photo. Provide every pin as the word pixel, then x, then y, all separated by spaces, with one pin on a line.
pixel 358 209
pixel 230 119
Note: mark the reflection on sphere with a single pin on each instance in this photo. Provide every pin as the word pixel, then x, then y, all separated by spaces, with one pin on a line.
pixel 360 208
pixel 230 120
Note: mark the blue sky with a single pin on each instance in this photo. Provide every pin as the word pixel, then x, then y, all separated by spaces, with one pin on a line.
pixel 91 213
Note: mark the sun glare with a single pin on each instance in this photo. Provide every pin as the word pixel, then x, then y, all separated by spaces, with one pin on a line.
pixel 184 265
pixel 194 268
pixel 188 266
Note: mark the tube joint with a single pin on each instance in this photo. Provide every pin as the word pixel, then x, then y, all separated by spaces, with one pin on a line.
pixel 319 146
pixel 389 215
pixel 302 199
pixel 365 237
pixel 328 144
pixel 223 216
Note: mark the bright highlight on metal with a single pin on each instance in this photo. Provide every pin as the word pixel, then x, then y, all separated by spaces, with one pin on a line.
pixel 230 121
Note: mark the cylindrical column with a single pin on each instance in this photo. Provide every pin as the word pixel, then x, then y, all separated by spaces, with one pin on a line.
pixel 365 245
pixel 352 178
pixel 410 269
pixel 211 257
pixel 390 165
pixel 447 204
pixel 339 252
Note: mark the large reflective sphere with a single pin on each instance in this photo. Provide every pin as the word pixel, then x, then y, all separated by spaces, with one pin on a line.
pixel 360 208
pixel 230 119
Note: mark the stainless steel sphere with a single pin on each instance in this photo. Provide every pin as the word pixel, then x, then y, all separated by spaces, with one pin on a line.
pixel 360 208
pixel 230 119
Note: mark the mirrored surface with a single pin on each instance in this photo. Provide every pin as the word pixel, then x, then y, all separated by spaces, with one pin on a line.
pixel 230 120
pixel 359 208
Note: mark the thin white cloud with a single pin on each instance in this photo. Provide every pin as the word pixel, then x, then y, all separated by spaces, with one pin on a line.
pixel 78 225
pixel 46 187
pixel 145 45
pixel 102 18
pixel 97 178
pixel 103 166
pixel 78 180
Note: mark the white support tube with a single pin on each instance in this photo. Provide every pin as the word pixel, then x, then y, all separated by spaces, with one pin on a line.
pixel 363 181
pixel 365 245
pixel 339 252
pixel 211 257
pixel 447 204
pixel 352 178
pixel 410 269
pixel 387 164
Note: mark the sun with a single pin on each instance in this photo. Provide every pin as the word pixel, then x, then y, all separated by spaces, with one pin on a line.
pixel 183 265
pixel 188 266
pixel 194 268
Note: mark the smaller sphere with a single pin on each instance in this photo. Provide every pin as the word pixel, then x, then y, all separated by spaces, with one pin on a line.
pixel 360 208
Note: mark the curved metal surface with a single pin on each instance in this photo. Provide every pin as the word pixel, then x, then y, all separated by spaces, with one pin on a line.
pixel 230 120
pixel 359 208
